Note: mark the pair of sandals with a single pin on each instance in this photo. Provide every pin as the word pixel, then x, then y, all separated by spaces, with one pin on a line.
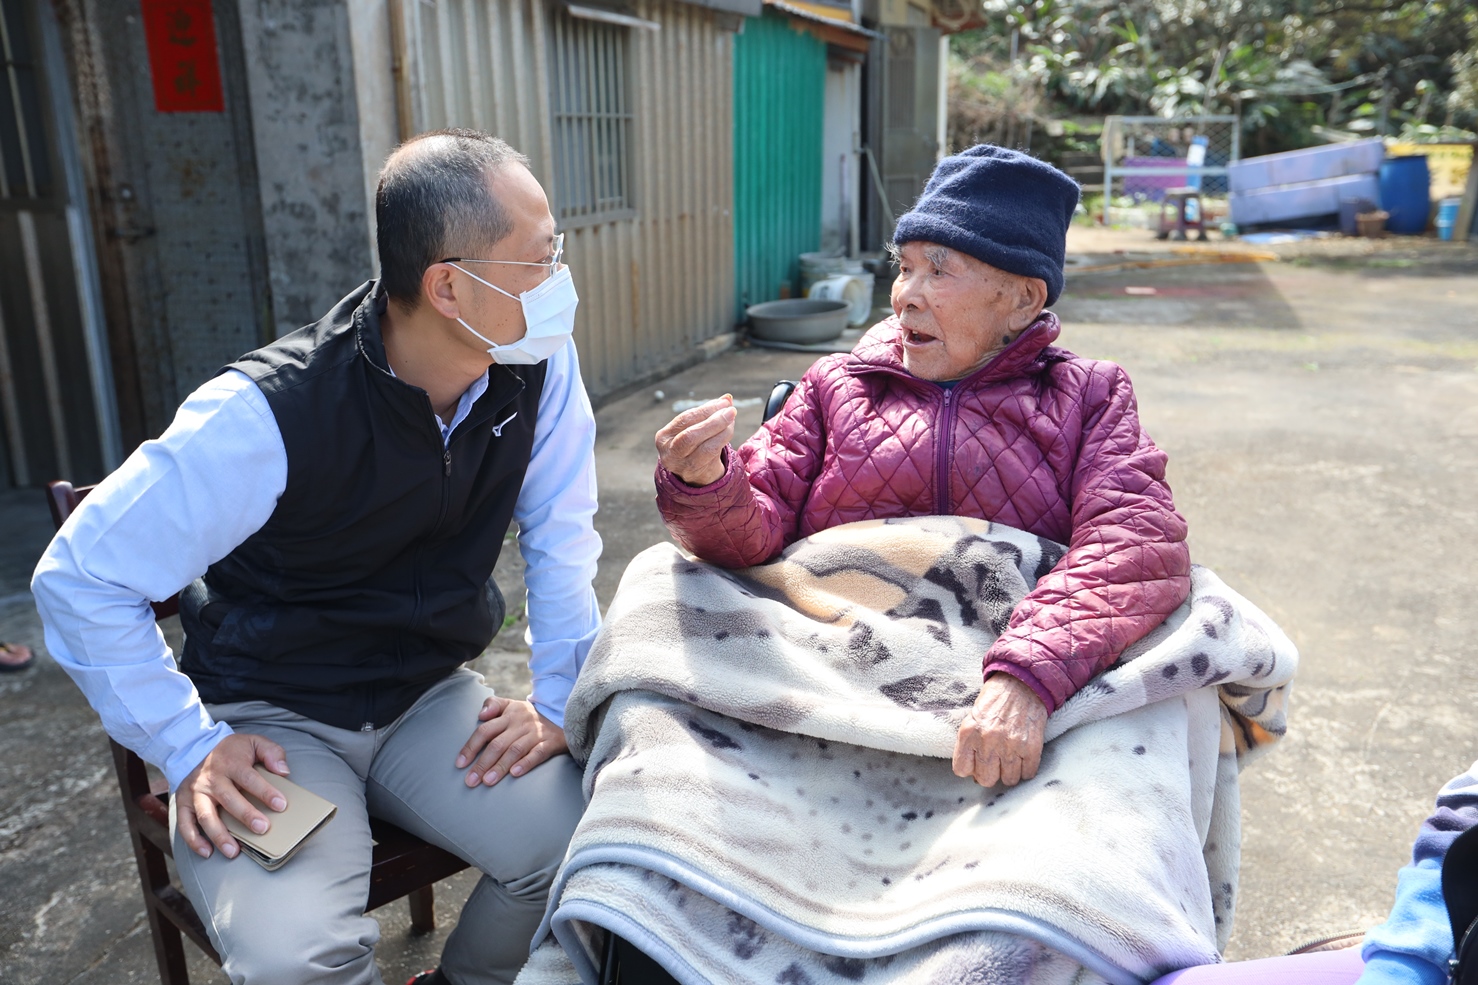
pixel 15 657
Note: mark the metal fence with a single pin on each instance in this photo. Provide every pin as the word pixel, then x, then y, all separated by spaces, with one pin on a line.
pixel 1143 156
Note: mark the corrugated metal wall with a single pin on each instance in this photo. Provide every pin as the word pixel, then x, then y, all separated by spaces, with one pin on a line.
pixel 779 107
pixel 56 415
pixel 658 279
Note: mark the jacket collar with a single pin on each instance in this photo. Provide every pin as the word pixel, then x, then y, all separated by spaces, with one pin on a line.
pixel 369 303
pixel 881 350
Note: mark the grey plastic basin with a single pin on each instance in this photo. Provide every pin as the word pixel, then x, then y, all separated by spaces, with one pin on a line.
pixel 799 320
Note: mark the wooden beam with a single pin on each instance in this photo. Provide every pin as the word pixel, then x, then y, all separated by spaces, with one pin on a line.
pixel 1463 231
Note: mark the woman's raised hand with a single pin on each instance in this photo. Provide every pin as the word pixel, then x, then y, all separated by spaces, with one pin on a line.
pixel 691 446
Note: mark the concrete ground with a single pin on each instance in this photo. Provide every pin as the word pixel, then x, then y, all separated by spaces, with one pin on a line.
pixel 1321 416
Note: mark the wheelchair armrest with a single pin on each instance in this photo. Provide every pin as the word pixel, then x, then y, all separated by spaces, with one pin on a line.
pixel 778 396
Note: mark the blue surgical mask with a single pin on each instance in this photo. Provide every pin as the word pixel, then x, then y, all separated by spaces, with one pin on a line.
pixel 549 319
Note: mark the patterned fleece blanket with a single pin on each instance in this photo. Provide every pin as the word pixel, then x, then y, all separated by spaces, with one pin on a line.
pixel 770 795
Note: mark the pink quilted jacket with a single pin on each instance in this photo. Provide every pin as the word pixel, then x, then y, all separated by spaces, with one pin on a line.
pixel 1038 439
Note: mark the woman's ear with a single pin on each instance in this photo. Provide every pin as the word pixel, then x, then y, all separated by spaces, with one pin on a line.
pixel 437 288
pixel 1031 298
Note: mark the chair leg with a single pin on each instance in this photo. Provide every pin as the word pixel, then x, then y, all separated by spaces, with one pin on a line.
pixel 423 910
pixel 169 949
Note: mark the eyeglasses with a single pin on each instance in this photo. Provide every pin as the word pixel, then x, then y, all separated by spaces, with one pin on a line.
pixel 551 266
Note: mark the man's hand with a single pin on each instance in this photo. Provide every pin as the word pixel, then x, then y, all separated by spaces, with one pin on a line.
pixel 1001 737
pixel 691 446
pixel 512 739
pixel 218 783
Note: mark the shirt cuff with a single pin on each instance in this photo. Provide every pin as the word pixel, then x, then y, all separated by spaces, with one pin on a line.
pixel 182 762
pixel 549 697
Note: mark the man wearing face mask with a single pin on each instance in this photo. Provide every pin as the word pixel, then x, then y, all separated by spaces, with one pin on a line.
pixel 331 508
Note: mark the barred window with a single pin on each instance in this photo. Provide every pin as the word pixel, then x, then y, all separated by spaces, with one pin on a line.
pixel 591 95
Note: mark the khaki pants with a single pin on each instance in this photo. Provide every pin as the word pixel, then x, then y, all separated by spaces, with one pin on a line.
pixel 305 922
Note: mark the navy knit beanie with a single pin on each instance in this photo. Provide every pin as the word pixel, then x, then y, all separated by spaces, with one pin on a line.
pixel 999 206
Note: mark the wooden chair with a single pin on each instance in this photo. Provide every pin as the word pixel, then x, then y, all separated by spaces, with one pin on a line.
pixel 404 865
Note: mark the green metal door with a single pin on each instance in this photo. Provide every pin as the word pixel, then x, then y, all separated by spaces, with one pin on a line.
pixel 779 101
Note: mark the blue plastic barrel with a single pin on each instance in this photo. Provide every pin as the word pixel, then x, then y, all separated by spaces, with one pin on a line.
pixel 1405 192
pixel 1447 211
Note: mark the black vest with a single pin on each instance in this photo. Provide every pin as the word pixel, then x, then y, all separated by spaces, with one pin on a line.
pixel 372 579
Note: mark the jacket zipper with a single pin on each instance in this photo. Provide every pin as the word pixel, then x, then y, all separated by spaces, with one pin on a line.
pixel 943 443
pixel 473 420
pixel 446 497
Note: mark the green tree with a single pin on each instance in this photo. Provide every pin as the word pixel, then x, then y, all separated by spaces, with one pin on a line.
pixel 1286 66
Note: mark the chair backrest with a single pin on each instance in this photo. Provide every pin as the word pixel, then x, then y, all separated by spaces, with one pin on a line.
pixel 63 498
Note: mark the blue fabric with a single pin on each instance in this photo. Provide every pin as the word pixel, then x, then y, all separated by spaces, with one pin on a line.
pixel 1415 943
pixel 1389 968
pixel 1001 207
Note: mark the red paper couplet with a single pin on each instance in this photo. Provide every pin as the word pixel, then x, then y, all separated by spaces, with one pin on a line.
pixel 182 56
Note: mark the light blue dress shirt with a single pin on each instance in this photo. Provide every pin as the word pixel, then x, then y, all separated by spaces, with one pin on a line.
pixel 187 499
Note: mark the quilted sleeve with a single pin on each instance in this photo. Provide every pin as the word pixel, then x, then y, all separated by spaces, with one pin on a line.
pixel 1127 566
pixel 753 512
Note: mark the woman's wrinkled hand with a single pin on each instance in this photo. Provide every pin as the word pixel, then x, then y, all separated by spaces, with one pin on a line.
pixel 1000 740
pixel 691 446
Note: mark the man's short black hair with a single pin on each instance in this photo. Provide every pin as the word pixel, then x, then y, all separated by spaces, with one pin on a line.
pixel 433 202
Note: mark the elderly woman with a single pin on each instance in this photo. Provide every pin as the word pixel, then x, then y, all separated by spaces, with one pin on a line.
pixel 960 404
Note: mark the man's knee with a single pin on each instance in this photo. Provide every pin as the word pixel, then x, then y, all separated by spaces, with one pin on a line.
pixel 533 887
pixel 302 924
pixel 307 947
pixel 549 807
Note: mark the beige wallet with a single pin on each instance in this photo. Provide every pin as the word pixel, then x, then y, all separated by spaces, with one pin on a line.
pixel 306 813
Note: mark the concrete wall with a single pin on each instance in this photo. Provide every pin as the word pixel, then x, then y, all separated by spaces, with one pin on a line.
pixel 306 129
